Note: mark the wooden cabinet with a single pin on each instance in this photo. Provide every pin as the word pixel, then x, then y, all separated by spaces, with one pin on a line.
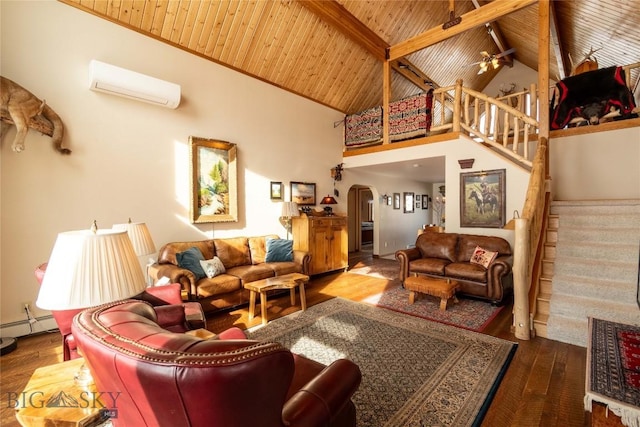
pixel 326 240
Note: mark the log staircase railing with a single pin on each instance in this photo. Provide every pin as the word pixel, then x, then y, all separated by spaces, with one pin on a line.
pixel 529 230
pixel 505 123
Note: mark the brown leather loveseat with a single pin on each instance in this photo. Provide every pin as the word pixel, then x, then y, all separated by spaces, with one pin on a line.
pixel 448 255
pixel 243 259
pixel 163 378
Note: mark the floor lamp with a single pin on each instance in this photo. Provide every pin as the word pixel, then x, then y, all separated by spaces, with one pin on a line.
pixel 289 210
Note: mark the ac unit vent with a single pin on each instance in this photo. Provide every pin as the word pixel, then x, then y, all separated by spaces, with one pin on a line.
pixel 129 84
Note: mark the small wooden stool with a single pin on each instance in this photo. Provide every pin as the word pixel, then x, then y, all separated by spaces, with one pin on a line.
pixel 445 289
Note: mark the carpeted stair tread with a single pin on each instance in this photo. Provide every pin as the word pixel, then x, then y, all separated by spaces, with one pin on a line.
pixel 573 331
pixel 613 290
pixel 595 268
pixel 565 305
pixel 624 236
pixel 605 251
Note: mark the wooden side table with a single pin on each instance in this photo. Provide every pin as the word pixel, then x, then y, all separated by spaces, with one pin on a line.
pixel 287 281
pixel 52 398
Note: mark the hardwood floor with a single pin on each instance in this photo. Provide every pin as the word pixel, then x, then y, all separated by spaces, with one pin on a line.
pixel 544 385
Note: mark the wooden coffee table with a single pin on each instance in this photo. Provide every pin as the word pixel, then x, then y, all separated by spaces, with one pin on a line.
pixel 445 289
pixel 286 281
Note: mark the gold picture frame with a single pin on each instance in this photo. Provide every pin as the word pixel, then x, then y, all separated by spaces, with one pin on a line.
pixel 214 181
pixel 482 199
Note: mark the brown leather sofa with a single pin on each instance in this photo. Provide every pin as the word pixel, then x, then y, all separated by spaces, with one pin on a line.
pixel 244 261
pixel 173 379
pixel 448 255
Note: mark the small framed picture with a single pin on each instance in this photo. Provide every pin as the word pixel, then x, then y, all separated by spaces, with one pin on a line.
pixel 276 190
pixel 425 201
pixel 396 200
pixel 303 193
pixel 408 202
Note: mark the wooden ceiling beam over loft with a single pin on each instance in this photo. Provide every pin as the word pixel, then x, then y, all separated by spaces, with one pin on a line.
pixel 412 73
pixel 334 14
pixel 473 19
pixel 341 19
pixel 494 31
pixel 563 69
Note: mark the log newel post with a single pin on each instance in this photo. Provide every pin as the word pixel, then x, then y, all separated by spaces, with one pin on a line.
pixel 457 106
pixel 521 317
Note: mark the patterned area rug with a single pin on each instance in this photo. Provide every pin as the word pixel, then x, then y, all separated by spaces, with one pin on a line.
pixel 613 369
pixel 414 373
pixel 468 313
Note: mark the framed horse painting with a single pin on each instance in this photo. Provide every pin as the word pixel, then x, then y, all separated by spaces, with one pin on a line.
pixel 482 199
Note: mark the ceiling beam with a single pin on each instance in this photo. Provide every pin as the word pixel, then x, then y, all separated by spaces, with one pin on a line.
pixel 475 18
pixel 498 38
pixel 411 72
pixel 340 18
pixel 556 43
pixel 334 14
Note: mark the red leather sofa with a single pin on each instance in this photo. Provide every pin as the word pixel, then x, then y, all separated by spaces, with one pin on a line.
pixel 172 379
pixel 189 316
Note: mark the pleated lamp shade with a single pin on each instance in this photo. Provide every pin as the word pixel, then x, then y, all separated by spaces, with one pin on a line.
pixel 289 209
pixel 140 237
pixel 88 268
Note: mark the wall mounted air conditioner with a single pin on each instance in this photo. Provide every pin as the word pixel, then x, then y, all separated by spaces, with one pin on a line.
pixel 129 84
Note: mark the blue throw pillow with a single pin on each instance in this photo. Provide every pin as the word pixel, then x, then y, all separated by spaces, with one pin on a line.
pixel 279 250
pixel 190 259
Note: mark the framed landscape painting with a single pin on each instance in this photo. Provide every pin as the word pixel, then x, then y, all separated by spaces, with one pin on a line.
pixel 482 199
pixel 214 183
pixel 303 193
pixel 276 192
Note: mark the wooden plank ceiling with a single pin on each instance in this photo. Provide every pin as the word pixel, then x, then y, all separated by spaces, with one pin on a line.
pixel 329 50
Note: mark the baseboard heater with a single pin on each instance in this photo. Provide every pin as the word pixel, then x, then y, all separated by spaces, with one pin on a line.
pixel 23 327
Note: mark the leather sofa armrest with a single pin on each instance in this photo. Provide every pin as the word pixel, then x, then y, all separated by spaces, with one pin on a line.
pixel 233 333
pixel 324 396
pixel 499 278
pixel 194 315
pixel 163 295
pixel 176 275
pixel 303 258
pixel 404 256
pixel 172 317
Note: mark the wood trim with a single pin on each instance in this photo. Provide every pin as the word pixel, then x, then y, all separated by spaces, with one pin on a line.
pixel 412 73
pixel 563 70
pixel 543 68
pixel 470 20
pixel 333 13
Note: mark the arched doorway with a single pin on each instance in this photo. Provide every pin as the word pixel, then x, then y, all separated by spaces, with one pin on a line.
pixel 361 218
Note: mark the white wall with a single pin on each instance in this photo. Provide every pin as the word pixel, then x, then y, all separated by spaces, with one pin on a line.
pixel 596 166
pixel 131 159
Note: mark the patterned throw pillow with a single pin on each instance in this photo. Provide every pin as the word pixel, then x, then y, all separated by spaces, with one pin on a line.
pixel 213 267
pixel 279 250
pixel 190 259
pixel 483 257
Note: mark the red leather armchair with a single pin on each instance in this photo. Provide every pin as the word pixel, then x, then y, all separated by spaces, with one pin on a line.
pixel 188 315
pixel 169 379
